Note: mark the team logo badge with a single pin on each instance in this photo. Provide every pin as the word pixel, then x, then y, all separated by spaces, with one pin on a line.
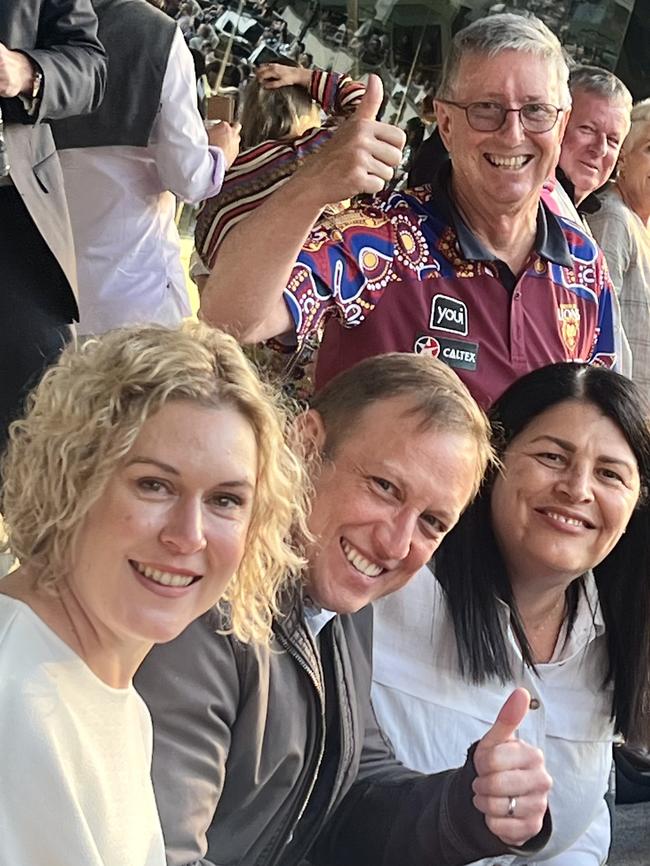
pixel 449 314
pixel 569 319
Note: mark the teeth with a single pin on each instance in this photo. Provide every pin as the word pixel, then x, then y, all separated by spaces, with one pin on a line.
pixel 166 578
pixel 507 161
pixel 572 521
pixel 370 569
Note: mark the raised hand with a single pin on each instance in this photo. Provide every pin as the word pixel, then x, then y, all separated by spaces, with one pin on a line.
pixel 226 136
pixel 360 157
pixel 512 785
pixel 274 75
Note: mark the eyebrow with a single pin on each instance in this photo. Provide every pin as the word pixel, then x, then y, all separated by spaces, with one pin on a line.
pixel 166 467
pixel 395 478
pixel 569 446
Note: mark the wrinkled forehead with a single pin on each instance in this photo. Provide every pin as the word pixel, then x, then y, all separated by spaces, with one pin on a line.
pixel 491 74
pixel 610 113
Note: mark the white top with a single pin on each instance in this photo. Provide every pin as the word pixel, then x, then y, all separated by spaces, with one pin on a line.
pixel 122 209
pixel 432 715
pixel 75 787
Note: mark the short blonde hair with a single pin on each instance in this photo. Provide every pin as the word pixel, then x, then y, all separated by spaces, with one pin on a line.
pixel 84 418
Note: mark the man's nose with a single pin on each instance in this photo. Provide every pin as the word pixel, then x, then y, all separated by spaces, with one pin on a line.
pixel 598 144
pixel 394 536
pixel 512 129
pixel 184 531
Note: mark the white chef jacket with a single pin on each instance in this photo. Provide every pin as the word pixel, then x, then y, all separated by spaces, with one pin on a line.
pixel 122 209
pixel 432 715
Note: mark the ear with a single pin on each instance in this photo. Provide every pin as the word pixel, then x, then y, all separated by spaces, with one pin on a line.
pixel 310 433
pixel 443 118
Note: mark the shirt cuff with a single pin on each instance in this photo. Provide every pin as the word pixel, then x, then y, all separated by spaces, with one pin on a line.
pixel 218 170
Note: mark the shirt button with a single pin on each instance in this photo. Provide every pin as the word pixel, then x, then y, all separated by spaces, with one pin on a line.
pixel 517 295
pixel 534 704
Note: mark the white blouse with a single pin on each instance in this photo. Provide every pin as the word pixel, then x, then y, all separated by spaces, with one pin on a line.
pixel 432 715
pixel 75 785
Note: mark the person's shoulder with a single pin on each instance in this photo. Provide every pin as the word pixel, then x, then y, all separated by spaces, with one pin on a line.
pixel 582 247
pixel 17 619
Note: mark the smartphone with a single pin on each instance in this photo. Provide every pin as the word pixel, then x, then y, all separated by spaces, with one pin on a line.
pixel 220 107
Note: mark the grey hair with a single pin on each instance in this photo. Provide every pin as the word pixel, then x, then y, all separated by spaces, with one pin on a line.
pixel 640 115
pixel 505 32
pixel 594 79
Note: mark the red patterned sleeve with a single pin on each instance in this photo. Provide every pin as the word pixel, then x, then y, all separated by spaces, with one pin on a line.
pixel 343 269
pixel 338 95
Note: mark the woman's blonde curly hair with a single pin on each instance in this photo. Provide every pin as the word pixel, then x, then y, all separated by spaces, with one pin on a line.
pixel 83 419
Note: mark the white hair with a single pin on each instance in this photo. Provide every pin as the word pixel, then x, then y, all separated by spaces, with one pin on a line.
pixel 505 32
pixel 594 79
pixel 640 116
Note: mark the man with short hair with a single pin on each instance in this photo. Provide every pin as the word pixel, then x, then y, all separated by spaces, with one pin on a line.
pixel 598 124
pixel 474 269
pixel 597 127
pixel 268 755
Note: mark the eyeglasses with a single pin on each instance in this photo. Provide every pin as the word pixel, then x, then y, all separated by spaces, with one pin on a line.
pixel 490 116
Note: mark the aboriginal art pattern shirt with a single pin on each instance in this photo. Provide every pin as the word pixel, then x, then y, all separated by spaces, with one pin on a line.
pixel 402 272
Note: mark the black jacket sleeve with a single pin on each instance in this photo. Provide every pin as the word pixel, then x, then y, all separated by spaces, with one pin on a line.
pixel 392 816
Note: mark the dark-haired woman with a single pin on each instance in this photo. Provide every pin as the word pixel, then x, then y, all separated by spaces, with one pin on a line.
pixel 544 583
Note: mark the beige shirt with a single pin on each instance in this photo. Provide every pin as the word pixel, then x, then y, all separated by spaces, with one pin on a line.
pixel 626 243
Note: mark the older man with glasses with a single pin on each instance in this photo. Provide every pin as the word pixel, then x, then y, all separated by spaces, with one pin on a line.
pixel 473 268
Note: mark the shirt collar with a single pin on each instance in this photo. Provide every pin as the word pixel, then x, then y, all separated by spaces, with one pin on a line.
pixel 589 205
pixel 550 242
pixel 316 617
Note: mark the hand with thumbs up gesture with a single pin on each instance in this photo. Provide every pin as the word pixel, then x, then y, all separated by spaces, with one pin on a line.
pixel 360 157
pixel 511 787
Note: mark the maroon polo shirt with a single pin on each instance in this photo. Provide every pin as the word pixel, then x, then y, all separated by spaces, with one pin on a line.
pixel 402 272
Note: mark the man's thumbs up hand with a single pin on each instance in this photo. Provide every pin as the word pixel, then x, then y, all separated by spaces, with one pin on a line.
pixel 360 156
pixel 511 787
pixel 370 104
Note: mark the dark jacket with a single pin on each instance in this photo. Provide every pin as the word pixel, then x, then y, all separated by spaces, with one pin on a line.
pixel 60 36
pixel 137 39
pixel 253 766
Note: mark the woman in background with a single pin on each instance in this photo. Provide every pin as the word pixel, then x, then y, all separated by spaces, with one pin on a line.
pixel 622 229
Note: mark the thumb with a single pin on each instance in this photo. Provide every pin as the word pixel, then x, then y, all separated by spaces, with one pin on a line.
pixel 372 99
pixel 236 127
pixel 510 717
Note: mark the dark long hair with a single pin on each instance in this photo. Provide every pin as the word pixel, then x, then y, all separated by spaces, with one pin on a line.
pixel 473 574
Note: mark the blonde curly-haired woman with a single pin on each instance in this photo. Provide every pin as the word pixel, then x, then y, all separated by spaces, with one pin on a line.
pixel 149 479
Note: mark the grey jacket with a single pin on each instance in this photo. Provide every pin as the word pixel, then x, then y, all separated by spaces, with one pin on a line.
pixel 60 36
pixel 245 774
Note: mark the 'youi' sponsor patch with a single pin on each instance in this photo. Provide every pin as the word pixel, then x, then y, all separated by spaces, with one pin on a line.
pixel 449 314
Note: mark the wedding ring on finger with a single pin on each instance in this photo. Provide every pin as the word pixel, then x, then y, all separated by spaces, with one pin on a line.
pixel 512 805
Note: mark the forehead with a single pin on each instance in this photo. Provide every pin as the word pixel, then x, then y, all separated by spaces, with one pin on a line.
pixel 582 424
pixel 185 434
pixel 394 430
pixel 509 74
pixel 608 115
